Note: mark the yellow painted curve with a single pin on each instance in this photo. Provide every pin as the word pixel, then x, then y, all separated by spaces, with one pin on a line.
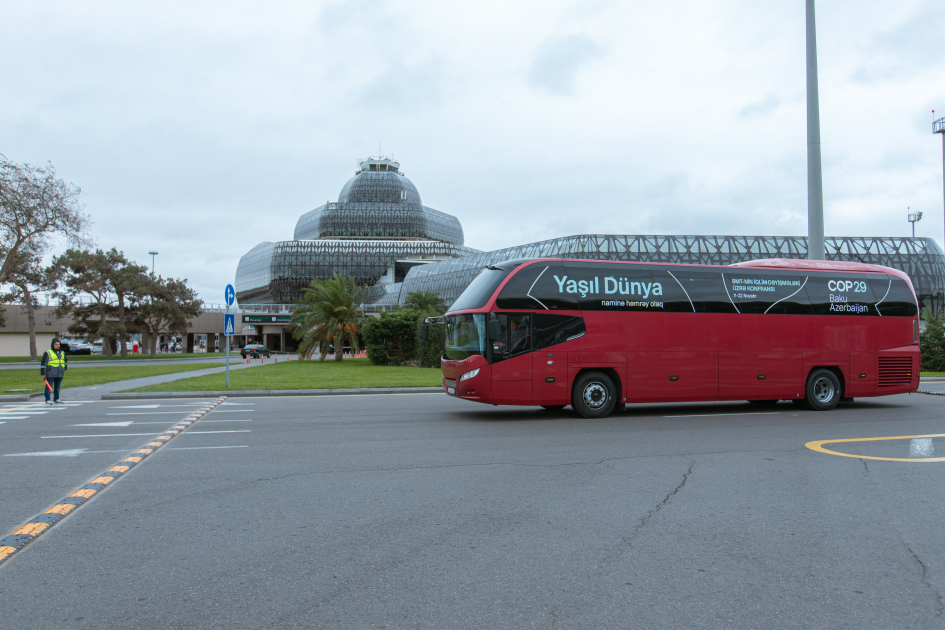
pixel 818 446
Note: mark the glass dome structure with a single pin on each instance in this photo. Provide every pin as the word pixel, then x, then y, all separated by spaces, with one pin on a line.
pixel 376 232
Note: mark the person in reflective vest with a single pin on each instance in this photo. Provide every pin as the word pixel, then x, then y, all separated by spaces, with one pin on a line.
pixel 52 368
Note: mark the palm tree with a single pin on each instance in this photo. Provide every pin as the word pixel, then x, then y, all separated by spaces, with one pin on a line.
pixel 428 303
pixel 329 314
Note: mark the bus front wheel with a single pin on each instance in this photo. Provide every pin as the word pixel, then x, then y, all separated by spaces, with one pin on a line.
pixel 594 395
pixel 823 390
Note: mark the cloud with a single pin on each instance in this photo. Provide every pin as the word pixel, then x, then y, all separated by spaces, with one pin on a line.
pixel 760 108
pixel 559 60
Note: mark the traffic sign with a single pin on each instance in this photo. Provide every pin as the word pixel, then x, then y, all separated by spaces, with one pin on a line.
pixel 230 295
pixel 229 324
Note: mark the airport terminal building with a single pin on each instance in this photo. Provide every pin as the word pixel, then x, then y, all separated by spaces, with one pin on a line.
pixel 380 233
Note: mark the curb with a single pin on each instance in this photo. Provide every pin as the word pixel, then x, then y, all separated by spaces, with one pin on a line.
pixel 41 523
pixel 274 392
pixel 16 398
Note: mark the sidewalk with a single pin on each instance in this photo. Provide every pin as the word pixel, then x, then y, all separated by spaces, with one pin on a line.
pixel 95 392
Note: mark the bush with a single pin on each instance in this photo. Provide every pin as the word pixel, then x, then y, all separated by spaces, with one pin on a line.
pixel 932 344
pixel 432 350
pixel 392 338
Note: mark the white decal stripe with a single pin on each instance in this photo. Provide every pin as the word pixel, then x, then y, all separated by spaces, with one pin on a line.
pixel 529 294
pixel 683 290
pixel 884 297
pixel 724 284
pixel 790 296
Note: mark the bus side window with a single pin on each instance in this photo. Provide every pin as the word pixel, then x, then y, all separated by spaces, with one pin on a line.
pixel 514 335
pixel 894 297
pixel 550 329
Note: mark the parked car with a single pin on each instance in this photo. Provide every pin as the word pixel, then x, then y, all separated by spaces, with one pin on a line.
pixel 255 350
pixel 79 347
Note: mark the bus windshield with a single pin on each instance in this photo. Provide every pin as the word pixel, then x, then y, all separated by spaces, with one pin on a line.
pixel 465 336
pixel 480 289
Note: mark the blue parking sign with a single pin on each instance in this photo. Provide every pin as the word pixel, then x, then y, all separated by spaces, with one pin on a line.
pixel 229 324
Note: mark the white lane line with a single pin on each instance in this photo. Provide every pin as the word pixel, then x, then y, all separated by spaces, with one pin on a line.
pixel 72 437
pixel 145 413
pixel 235 404
pixel 124 423
pixel 14 417
pixel 710 415
pixel 137 424
pixel 53 437
pixel 2 422
pixel 151 406
pixel 72 452
pixel 194 448
pixel 233 411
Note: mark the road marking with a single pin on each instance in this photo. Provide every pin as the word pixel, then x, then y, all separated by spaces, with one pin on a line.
pixel 122 423
pixel 710 415
pixel 15 417
pixel 145 413
pixel 194 448
pixel 53 437
pixel 229 403
pixel 818 446
pixel 72 452
pixel 72 437
pixel 151 406
pixel 40 523
pixel 921 447
pixel 234 411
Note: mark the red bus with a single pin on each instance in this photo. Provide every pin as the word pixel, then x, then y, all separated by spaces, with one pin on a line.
pixel 599 334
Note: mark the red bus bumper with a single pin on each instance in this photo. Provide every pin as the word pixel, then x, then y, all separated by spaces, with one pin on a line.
pixel 477 388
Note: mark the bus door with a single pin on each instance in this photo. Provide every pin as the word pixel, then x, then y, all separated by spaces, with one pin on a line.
pixel 510 337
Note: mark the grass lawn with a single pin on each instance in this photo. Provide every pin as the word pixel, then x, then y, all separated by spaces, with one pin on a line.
pixel 350 373
pixel 931 373
pixel 131 357
pixel 30 379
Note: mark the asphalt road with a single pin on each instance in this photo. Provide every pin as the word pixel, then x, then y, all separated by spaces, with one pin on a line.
pixel 422 511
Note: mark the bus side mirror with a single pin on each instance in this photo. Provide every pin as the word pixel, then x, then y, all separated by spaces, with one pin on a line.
pixel 494 329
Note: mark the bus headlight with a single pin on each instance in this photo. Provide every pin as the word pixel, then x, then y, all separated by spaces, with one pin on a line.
pixel 469 375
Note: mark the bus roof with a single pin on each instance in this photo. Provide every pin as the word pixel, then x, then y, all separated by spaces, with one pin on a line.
pixel 761 263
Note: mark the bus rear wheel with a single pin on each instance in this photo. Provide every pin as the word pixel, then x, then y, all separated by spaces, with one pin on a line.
pixel 594 395
pixel 823 390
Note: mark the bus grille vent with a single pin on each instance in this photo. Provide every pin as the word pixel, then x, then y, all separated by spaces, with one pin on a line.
pixel 895 371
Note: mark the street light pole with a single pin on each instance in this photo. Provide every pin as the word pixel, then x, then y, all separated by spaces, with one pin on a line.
pixel 938 126
pixel 153 254
pixel 914 217
pixel 815 185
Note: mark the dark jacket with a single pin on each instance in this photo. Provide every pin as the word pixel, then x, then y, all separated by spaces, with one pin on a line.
pixel 54 356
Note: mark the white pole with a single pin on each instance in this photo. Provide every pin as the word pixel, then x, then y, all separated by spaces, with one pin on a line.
pixel 815 186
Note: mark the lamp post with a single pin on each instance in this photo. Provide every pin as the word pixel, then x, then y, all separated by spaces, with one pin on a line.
pixel 914 217
pixel 153 254
pixel 938 126
pixel 815 184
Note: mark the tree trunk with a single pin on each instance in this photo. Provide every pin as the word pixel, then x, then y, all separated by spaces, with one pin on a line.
pixel 31 320
pixel 123 335
pixel 154 338
pixel 107 349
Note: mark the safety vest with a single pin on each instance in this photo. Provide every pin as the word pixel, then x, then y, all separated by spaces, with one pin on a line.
pixel 54 360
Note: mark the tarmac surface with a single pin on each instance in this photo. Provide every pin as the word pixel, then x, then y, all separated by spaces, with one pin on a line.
pixel 423 511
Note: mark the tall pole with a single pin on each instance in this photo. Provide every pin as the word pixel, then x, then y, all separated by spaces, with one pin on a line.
pixel 938 126
pixel 815 184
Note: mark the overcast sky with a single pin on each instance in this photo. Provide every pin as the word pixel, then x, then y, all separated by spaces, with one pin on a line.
pixel 201 129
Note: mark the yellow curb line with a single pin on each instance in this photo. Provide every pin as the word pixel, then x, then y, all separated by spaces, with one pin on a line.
pixel 818 446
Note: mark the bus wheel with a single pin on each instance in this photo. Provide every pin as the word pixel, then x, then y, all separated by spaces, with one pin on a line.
pixel 593 395
pixel 823 390
pixel 765 403
pixel 553 407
